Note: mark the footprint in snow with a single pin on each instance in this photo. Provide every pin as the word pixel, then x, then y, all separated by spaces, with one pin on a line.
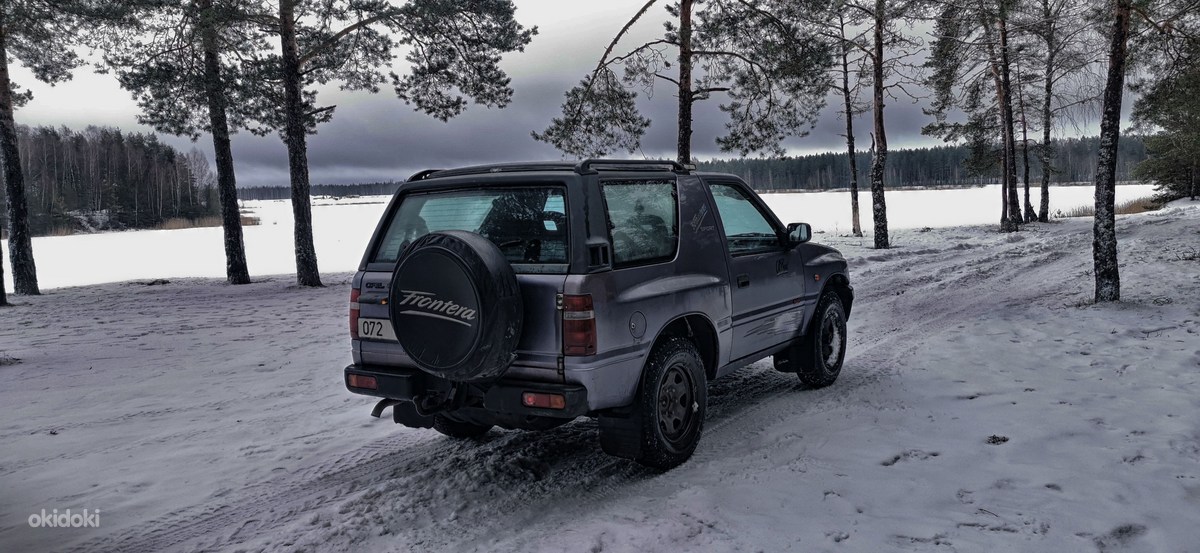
pixel 909 455
pixel 1119 538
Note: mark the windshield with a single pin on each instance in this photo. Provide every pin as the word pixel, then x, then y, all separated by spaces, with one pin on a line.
pixel 528 224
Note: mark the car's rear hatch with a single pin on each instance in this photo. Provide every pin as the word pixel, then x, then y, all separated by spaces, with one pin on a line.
pixel 527 220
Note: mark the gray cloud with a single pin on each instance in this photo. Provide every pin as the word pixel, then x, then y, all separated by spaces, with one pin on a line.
pixel 378 137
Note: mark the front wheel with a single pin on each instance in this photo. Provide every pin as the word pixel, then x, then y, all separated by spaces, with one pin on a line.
pixel 672 398
pixel 817 356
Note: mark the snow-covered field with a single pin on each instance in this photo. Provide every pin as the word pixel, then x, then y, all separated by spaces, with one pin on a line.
pixel 985 405
pixel 341 229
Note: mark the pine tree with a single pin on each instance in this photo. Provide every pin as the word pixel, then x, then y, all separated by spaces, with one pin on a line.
pixel 1168 105
pixel 761 54
pixel 972 46
pixel 455 47
pixel 40 35
pixel 182 61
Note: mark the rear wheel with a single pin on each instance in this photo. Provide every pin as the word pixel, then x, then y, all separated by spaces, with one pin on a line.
pixel 672 399
pixel 458 429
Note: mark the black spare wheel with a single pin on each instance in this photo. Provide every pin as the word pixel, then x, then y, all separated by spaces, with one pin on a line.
pixel 456 306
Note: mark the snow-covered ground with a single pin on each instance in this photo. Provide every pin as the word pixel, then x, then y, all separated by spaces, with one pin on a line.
pixel 342 227
pixel 985 405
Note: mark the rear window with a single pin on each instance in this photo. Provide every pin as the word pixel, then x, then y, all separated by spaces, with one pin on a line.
pixel 528 224
pixel 642 220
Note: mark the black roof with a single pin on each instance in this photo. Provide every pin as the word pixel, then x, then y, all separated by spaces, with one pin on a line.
pixel 585 167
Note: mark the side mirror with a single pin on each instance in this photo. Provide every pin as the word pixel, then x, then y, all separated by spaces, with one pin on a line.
pixel 799 233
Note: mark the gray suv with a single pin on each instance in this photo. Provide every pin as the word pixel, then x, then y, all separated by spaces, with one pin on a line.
pixel 526 295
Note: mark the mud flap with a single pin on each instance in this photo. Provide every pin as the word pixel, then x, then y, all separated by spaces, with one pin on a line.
pixel 621 432
pixel 406 413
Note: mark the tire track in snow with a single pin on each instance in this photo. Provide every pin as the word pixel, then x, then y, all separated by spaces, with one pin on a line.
pixel 373 475
pixel 360 467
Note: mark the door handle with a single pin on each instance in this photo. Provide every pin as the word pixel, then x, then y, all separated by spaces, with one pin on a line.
pixel 743 281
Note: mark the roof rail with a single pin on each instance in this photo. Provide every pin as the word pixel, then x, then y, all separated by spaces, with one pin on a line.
pixel 420 175
pixel 587 166
pixel 497 168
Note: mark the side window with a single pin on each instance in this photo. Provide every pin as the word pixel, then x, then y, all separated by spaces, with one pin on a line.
pixel 642 220
pixel 746 229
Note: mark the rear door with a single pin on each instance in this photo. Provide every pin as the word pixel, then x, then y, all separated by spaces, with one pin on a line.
pixel 765 276
pixel 529 225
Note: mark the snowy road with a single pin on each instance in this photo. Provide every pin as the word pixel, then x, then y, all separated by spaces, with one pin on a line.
pixel 984 406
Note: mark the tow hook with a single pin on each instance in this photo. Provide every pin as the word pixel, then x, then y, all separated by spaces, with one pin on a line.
pixel 427 405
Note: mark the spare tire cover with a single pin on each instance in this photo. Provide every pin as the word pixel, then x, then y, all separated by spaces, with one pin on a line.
pixel 456 306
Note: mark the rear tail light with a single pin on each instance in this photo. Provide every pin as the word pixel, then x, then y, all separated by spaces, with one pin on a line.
pixel 354 313
pixel 579 325
pixel 543 401
pixel 362 381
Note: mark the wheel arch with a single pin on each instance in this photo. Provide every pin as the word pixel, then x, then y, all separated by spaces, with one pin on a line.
pixel 697 328
pixel 840 284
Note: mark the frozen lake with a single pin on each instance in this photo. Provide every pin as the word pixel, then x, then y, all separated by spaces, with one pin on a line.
pixel 341 230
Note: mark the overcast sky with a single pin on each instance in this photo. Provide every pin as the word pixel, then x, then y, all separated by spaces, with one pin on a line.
pixel 379 138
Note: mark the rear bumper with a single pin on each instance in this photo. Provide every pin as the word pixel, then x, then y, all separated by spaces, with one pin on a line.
pixel 503 396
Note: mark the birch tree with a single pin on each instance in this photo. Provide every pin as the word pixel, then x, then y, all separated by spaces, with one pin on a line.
pixel 1063 49
pixel 888 53
pixel 845 28
pixel 1163 27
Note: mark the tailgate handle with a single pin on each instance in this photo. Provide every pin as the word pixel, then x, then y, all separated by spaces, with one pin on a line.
pixel 373 299
pixel 743 281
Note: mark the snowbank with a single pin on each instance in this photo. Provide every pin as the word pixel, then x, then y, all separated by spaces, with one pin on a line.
pixel 342 227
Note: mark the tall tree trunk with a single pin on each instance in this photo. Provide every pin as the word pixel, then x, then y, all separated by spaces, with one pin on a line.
pixel 1104 230
pixel 1046 152
pixel 236 271
pixel 1030 214
pixel 295 136
pixel 3 294
pixel 1191 183
pixel 686 97
pixel 1047 115
pixel 879 160
pixel 856 226
pixel 1005 160
pixel 20 245
pixel 1010 146
pixel 1007 173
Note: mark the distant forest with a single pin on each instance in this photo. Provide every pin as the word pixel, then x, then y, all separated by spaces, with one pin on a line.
pixel 341 190
pixel 103 179
pixel 940 166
